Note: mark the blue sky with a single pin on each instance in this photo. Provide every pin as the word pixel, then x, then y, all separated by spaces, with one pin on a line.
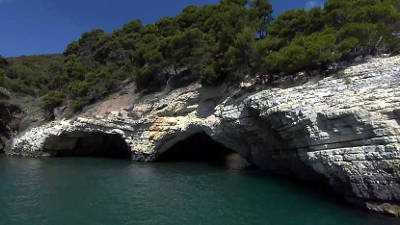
pixel 46 26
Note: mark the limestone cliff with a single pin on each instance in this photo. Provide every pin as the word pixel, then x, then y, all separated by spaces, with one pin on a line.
pixel 10 117
pixel 343 129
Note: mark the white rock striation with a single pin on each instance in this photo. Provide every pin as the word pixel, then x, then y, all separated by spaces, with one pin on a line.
pixel 343 129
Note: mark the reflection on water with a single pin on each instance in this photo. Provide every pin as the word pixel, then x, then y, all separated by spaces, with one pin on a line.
pixel 101 191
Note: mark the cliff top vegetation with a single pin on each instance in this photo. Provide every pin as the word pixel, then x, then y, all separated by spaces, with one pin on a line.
pixel 230 41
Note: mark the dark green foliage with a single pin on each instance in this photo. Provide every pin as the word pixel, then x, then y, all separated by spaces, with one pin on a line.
pixel 52 100
pixel 260 13
pixel 313 50
pixel 31 75
pixel 3 62
pixel 342 30
pixel 186 44
pixel 213 43
pixel 235 39
pixel 209 75
pixel 79 103
pixel 241 54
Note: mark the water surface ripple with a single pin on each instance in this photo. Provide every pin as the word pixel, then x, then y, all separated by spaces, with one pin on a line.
pixel 92 191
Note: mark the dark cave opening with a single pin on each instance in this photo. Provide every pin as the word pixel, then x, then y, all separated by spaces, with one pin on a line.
pixel 95 145
pixel 201 148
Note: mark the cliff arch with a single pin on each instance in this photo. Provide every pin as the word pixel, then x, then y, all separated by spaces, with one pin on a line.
pixel 200 147
pixel 88 144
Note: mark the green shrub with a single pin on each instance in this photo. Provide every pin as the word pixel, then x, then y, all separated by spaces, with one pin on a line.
pixel 52 100
pixel 78 89
pixel 230 41
pixel 209 76
pixel 78 104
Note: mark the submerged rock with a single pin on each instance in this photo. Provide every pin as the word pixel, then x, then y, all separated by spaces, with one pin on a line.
pixel 343 129
pixel 385 208
pixel 235 161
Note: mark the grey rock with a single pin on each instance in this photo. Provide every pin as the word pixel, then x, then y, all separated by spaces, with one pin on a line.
pixel 342 129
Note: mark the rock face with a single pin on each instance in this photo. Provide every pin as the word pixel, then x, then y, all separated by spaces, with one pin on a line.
pixel 10 118
pixel 342 129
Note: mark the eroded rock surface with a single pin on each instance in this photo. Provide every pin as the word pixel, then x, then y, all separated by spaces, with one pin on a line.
pixel 343 129
pixel 10 118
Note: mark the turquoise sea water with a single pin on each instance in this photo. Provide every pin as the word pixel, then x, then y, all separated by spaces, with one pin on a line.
pixel 74 191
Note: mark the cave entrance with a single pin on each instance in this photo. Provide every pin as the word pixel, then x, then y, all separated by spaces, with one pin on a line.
pixel 92 145
pixel 201 148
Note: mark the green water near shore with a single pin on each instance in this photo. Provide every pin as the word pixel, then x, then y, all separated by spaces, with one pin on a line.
pixel 114 192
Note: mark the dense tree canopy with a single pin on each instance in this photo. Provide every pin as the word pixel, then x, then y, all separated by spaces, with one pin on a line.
pixel 31 75
pixel 213 43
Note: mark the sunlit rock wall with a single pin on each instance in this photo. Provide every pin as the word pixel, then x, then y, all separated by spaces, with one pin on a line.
pixel 343 129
